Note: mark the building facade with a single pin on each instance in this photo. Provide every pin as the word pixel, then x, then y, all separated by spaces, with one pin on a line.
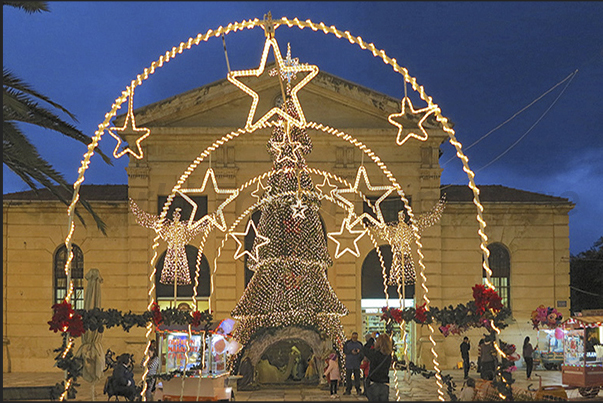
pixel 528 232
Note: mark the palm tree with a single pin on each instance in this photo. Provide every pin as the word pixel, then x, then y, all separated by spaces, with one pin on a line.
pixel 20 105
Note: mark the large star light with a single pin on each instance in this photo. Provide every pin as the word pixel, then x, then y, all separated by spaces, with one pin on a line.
pixel 353 190
pixel 312 71
pixel 218 219
pixel 345 226
pixel 241 245
pixel 129 127
pixel 425 111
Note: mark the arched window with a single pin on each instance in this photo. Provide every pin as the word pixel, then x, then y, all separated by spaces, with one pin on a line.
pixel 77 275
pixel 500 264
pixel 166 291
pixel 372 277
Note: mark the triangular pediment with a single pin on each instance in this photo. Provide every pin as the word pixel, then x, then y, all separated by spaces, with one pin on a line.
pixel 326 99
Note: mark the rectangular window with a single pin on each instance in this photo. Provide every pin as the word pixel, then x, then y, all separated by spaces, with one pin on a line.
pixel 502 288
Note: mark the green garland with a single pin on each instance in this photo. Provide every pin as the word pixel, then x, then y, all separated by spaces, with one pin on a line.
pixel 74 323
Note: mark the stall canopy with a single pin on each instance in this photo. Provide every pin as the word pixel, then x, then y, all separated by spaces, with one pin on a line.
pixel 583 321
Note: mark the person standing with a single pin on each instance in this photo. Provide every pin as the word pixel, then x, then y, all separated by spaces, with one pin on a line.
pixel 333 375
pixel 353 357
pixel 465 347
pixel 528 357
pixel 380 360
pixel 488 360
pixel 479 355
pixel 153 367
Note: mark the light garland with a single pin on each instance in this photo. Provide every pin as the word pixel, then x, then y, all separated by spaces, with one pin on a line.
pixel 129 126
pixel 427 111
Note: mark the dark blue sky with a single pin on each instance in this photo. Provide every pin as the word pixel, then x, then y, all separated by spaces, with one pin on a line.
pixel 482 62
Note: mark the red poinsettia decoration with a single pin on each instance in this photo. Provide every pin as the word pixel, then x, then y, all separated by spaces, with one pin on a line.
pixel 196 319
pixel 486 299
pixel 65 319
pixel 394 314
pixel 157 318
pixel 421 314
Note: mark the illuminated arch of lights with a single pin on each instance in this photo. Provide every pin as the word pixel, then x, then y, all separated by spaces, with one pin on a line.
pixel 269 26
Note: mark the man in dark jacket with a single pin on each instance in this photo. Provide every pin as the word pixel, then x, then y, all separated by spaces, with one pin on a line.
pixel 353 357
pixel 123 378
pixel 465 347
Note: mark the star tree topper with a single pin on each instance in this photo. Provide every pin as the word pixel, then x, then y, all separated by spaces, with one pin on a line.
pixel 129 127
pixel 425 111
pixel 285 70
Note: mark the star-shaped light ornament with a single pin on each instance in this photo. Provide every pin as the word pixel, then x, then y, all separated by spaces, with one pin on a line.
pixel 423 136
pixel 326 188
pixel 128 128
pixel 289 62
pixel 261 189
pixel 287 149
pixel 379 221
pixel 299 209
pixel 312 71
pixel 216 218
pixel 241 245
pixel 345 226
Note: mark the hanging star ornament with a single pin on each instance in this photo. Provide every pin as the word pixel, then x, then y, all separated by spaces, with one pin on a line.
pixel 287 149
pixel 379 221
pixel 299 209
pixel 217 219
pixel 261 189
pixel 129 127
pixel 240 245
pixel 312 71
pixel 326 188
pixel 425 111
pixel 345 226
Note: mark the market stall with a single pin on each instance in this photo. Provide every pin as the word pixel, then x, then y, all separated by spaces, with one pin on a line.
pixel 583 354
pixel 198 362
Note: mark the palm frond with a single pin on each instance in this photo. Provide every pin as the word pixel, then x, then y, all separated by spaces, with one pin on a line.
pixel 30 7
pixel 21 157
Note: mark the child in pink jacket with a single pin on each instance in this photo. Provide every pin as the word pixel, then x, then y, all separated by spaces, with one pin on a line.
pixel 332 374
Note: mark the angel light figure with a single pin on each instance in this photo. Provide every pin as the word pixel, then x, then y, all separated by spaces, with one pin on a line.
pixel 400 236
pixel 177 234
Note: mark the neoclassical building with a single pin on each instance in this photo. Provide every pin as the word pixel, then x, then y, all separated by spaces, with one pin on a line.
pixel 528 232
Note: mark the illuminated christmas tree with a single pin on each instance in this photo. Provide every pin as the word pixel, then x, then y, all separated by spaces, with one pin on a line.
pixel 290 285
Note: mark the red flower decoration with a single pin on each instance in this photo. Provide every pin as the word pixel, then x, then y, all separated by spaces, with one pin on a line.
pixel 486 299
pixel 196 319
pixel 65 319
pixel 157 319
pixel 421 314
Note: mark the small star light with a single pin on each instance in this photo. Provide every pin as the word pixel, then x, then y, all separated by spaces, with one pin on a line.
pixel 287 149
pixel 260 187
pixel 298 209
pixel 326 185
pixel 129 127
pixel 218 220
pixel 240 245
pixel 388 190
pixel 426 111
pixel 345 225
pixel 284 69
